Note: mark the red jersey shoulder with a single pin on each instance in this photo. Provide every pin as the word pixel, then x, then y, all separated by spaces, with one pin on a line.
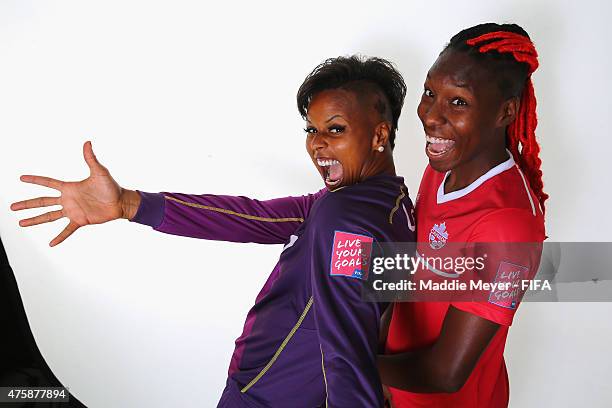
pixel 509 225
pixel 501 207
pixel 511 190
pixel 508 189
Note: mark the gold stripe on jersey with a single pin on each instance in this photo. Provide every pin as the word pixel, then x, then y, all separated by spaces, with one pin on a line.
pixel 281 348
pixel 324 375
pixel 399 198
pixel 230 212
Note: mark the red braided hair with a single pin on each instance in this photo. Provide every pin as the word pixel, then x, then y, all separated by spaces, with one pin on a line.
pixel 521 133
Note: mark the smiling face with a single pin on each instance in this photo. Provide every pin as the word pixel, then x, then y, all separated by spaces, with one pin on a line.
pixel 344 132
pixel 464 116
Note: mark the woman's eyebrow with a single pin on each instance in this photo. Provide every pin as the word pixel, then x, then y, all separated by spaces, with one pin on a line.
pixel 461 84
pixel 457 82
pixel 333 117
pixel 461 80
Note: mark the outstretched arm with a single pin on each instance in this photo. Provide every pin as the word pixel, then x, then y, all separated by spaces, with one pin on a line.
pixel 99 199
pixel 225 218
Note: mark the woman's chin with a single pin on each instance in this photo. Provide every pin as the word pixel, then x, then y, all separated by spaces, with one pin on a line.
pixel 441 162
pixel 333 185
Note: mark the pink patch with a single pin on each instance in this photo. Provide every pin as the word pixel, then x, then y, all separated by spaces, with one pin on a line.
pixel 509 275
pixel 350 255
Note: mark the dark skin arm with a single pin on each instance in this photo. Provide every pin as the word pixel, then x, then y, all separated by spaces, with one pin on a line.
pixel 385 322
pixel 446 365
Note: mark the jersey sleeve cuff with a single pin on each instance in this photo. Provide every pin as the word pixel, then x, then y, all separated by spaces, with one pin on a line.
pixel 151 209
pixel 495 314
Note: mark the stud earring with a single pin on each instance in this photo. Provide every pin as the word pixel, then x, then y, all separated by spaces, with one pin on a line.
pixel 381 148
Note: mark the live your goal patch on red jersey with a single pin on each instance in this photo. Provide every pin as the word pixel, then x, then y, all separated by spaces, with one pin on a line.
pixel 510 276
pixel 350 255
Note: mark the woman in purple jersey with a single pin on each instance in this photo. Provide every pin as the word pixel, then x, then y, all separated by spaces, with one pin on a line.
pixel 309 340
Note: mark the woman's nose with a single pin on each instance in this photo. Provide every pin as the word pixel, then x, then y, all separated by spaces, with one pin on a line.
pixel 432 115
pixel 317 142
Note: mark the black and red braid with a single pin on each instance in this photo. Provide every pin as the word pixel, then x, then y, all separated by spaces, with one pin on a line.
pixel 508 49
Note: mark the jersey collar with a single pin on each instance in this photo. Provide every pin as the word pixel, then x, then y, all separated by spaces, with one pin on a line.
pixel 443 198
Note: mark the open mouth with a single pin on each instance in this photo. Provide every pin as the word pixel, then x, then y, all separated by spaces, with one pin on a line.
pixel 437 147
pixel 332 171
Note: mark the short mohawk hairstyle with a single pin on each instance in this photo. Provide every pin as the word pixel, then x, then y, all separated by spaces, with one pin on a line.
pixel 340 72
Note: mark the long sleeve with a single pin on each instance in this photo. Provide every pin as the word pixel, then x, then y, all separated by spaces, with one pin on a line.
pixel 225 218
pixel 347 325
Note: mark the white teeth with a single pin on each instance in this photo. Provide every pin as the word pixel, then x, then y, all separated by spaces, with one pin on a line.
pixel 325 163
pixel 438 140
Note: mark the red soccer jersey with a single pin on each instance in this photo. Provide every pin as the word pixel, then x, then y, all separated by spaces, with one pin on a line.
pixel 497 207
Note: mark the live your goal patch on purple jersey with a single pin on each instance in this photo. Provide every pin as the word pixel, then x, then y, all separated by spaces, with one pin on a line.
pixel 349 255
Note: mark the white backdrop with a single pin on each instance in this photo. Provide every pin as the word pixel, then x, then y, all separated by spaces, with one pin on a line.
pixel 199 97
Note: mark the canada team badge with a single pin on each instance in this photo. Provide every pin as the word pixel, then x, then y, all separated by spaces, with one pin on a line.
pixel 438 236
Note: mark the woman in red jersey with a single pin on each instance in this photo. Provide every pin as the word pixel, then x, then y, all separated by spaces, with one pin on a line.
pixel 483 185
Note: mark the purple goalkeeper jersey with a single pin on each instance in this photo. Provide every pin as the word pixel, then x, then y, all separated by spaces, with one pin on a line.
pixel 309 340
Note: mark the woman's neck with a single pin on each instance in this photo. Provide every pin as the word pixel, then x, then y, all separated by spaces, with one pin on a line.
pixel 462 176
pixel 386 167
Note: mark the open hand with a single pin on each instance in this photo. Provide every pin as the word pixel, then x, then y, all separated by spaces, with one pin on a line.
pixel 94 200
